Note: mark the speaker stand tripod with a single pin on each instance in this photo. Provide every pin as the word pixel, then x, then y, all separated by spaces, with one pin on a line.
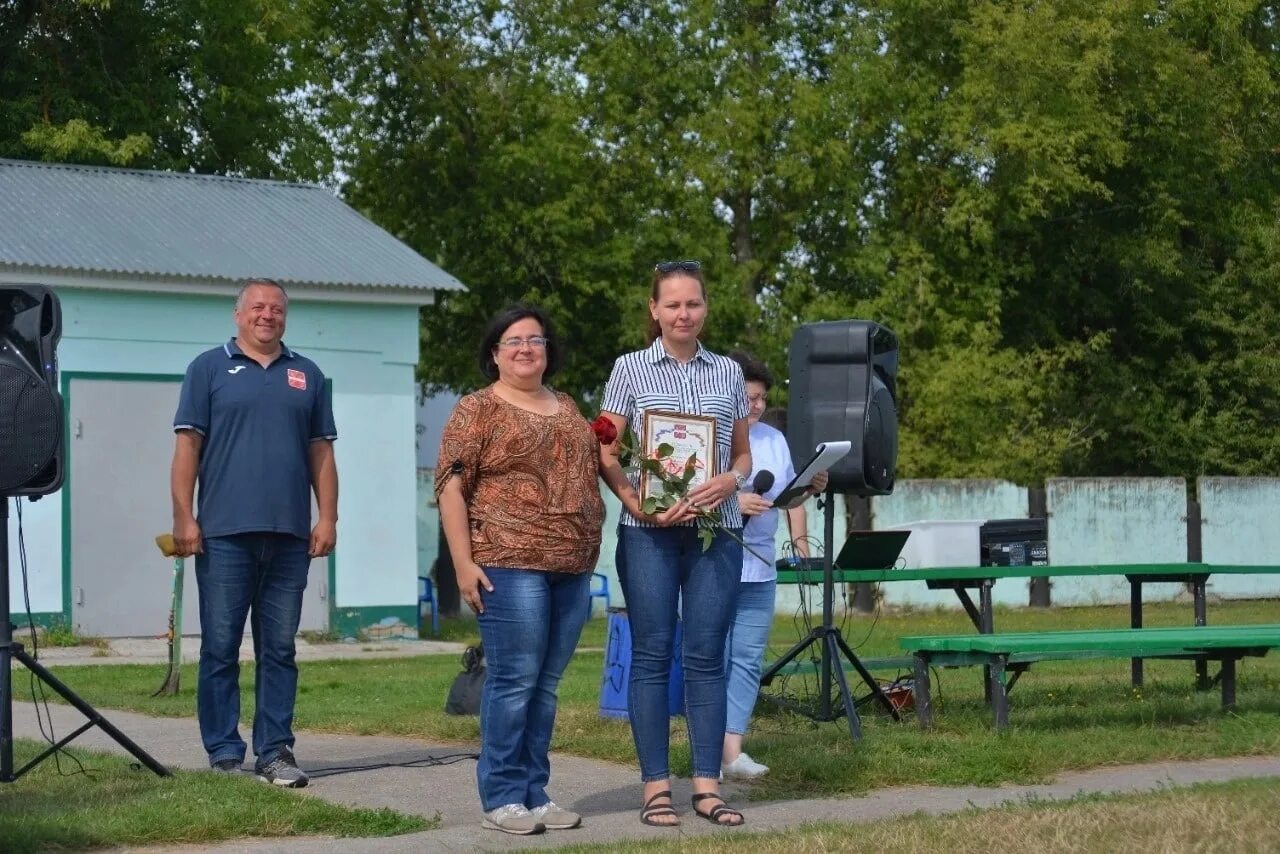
pixel 833 649
pixel 11 651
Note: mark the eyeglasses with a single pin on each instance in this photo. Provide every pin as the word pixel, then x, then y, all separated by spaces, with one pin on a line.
pixel 753 399
pixel 537 342
pixel 673 266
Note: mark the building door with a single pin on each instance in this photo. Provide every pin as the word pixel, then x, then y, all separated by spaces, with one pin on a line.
pixel 120 448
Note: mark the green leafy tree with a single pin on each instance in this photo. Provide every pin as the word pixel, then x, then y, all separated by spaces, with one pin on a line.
pixel 215 86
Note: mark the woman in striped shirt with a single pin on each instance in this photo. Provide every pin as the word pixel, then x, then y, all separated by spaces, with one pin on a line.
pixel 661 562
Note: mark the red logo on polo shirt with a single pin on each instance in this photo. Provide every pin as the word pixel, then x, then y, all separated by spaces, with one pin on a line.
pixel 297 379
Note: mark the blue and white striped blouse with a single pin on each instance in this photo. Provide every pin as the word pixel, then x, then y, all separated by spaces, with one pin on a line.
pixel 708 384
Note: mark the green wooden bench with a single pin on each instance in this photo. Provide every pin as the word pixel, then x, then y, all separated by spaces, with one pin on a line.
pixel 1009 655
pixel 962 579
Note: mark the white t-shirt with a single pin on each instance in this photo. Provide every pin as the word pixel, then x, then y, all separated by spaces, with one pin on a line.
pixel 769 452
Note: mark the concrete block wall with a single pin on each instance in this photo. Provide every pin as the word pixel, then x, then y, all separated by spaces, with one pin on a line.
pixel 1091 521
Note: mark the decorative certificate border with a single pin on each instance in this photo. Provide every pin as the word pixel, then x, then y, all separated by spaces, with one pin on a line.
pixel 688 435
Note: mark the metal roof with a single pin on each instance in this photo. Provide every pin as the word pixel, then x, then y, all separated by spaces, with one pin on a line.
pixel 126 221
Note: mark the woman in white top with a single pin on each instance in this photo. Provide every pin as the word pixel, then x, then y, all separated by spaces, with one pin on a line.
pixel 753 617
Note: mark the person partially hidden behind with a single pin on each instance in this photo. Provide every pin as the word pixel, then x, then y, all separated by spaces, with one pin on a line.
pixel 753 614
pixel 255 429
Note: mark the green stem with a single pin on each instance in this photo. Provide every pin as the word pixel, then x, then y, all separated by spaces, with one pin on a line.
pixel 710 517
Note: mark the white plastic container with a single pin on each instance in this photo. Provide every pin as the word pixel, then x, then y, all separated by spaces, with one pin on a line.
pixel 934 544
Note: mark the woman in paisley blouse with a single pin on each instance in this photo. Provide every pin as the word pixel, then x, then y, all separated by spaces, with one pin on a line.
pixel 517 488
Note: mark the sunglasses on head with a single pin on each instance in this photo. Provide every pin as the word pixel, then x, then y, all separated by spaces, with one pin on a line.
pixel 673 266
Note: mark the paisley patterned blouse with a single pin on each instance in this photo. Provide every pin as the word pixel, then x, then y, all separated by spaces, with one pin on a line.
pixel 529 481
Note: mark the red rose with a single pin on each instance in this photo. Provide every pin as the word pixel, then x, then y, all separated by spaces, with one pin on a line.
pixel 606 431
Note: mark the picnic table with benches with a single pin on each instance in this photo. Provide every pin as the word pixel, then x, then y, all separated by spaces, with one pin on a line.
pixel 1007 656
pixel 962 579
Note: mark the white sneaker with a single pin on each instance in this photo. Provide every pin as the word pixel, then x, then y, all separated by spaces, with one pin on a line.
pixel 743 768
pixel 556 818
pixel 513 818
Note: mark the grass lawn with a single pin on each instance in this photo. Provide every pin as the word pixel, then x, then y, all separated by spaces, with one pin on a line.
pixel 116 804
pixel 1220 817
pixel 1064 715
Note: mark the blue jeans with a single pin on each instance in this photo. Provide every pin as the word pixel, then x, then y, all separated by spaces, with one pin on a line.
pixel 262 574
pixel 744 652
pixel 661 569
pixel 530 627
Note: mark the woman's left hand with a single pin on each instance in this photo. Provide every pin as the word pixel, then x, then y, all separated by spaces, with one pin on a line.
pixel 713 493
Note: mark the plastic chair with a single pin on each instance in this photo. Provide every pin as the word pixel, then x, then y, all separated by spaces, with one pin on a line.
pixel 426 593
pixel 600 588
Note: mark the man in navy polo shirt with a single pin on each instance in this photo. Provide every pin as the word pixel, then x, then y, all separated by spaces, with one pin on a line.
pixel 255 428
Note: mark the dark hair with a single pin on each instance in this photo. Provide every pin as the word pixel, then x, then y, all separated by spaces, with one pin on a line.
pixel 753 370
pixel 660 274
pixel 501 322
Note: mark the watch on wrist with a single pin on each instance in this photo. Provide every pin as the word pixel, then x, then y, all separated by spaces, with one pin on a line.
pixel 739 478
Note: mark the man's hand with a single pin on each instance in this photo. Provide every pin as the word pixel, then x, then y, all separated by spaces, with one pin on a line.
pixel 324 536
pixel 753 504
pixel 470 579
pixel 187 537
pixel 819 483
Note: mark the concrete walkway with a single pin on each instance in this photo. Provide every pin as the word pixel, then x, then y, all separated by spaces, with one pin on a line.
pixel 422 778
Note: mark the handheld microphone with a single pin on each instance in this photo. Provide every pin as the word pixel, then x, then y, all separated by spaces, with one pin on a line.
pixel 762 482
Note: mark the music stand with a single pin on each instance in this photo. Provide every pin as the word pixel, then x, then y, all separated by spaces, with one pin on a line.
pixel 833 648
pixel 10 650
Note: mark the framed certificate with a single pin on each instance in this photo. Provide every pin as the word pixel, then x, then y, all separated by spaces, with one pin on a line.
pixel 686 436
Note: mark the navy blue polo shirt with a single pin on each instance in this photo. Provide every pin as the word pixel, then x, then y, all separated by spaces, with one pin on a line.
pixel 258 425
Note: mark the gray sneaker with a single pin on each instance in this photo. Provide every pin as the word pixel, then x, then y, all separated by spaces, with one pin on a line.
pixel 513 818
pixel 281 771
pixel 556 818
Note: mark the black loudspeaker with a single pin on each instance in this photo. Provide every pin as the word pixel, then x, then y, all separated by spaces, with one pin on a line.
pixel 31 437
pixel 843 386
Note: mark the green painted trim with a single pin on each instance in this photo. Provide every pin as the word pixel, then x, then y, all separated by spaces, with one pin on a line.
pixel 64 382
pixel 332 620
pixel 42 619
pixel 353 622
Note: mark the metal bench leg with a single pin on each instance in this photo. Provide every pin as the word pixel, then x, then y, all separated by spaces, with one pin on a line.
pixel 920 688
pixel 1135 622
pixel 985 608
pixel 1228 683
pixel 999 692
pixel 1202 666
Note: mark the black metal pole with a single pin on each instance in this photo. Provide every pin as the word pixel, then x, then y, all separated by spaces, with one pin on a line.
pixel 1038 508
pixel 828 600
pixel 6 652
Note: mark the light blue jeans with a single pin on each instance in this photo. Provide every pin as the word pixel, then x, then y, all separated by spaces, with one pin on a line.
pixel 530 627
pixel 744 651
pixel 661 569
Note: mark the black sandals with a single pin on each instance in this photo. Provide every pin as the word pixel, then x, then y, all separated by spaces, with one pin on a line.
pixel 652 810
pixel 716 812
